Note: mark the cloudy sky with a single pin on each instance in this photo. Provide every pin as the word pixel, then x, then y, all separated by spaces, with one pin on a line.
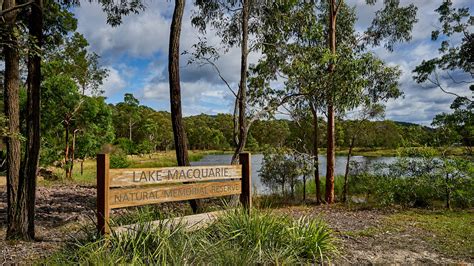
pixel 136 55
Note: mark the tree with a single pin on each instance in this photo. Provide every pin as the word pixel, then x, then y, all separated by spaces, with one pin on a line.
pixel 455 61
pixel 33 140
pixel 83 65
pixel 358 128
pixel 455 58
pixel 180 141
pixel 457 127
pixel 17 218
pixel 232 21
pixel 21 176
pixel 392 24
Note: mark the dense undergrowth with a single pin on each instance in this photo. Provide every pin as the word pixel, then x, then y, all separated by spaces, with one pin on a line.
pixel 235 238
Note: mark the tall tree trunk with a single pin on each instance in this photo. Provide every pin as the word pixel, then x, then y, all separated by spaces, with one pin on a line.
pixel 33 114
pixel 346 174
pixel 180 140
pixel 82 166
pixel 72 157
pixel 304 187
pixel 17 224
pixel 66 149
pixel 316 154
pixel 448 192
pixel 242 95
pixel 331 138
pixel 130 126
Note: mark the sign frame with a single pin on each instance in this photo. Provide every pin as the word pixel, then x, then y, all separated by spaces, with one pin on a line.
pixel 156 190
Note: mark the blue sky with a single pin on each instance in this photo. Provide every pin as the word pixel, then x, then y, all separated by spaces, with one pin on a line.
pixel 136 55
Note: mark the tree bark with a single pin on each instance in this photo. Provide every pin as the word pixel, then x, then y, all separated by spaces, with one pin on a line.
pixel 33 126
pixel 448 193
pixel 304 187
pixel 315 154
pixel 130 128
pixel 66 149
pixel 242 95
pixel 72 157
pixel 346 174
pixel 17 219
pixel 180 140
pixel 331 138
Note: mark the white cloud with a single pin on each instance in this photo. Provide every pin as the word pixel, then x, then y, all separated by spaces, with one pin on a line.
pixel 114 83
pixel 144 38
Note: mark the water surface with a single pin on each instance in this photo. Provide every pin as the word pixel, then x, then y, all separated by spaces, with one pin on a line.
pixel 218 159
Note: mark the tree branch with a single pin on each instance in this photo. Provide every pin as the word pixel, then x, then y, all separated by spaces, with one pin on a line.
pixel 438 84
pixel 3 12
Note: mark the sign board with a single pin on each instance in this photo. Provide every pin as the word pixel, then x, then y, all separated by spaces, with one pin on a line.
pixel 119 188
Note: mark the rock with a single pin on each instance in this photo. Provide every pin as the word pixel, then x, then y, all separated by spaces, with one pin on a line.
pixel 47 174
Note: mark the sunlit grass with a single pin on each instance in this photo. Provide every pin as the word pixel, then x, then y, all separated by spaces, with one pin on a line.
pixel 450 232
pixel 161 159
pixel 235 238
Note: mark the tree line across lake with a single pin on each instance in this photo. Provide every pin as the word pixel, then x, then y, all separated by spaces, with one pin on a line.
pixel 137 129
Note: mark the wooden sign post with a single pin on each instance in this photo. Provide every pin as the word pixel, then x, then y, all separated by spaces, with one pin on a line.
pixel 119 188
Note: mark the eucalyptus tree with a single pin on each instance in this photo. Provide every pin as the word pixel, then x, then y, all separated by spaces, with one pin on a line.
pixel 454 67
pixel 233 21
pixel 455 60
pixel 180 139
pixel 390 25
pixel 339 77
pixel 21 176
pixel 356 129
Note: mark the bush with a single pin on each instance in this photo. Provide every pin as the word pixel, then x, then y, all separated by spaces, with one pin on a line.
pixel 417 182
pixel 119 159
pixel 236 238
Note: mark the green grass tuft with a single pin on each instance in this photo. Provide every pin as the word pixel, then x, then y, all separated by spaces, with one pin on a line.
pixel 236 238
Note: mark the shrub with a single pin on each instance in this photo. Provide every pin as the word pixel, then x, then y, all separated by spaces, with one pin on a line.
pixel 418 182
pixel 236 238
pixel 119 159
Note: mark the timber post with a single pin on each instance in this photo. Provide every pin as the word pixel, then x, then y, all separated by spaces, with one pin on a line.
pixel 246 195
pixel 103 210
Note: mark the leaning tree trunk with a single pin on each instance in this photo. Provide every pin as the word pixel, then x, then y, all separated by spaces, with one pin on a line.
pixel 33 114
pixel 315 154
pixel 180 140
pixel 331 138
pixel 17 216
pixel 346 174
pixel 242 95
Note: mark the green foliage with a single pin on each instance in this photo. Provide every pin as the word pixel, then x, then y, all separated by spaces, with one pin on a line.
pixel 417 182
pixel 282 168
pixel 236 238
pixel 118 159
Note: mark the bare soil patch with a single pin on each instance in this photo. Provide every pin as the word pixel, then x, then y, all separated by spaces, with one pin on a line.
pixel 368 237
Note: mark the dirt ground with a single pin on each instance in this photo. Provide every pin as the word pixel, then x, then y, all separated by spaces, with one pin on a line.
pixel 60 210
pixel 365 240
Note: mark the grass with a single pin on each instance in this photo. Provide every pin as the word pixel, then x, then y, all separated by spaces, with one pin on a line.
pixel 161 159
pixel 235 238
pixel 450 232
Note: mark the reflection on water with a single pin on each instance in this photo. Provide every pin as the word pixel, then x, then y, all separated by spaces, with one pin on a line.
pixel 257 164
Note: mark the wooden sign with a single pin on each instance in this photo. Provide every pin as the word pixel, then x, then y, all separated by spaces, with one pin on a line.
pixel 120 198
pixel 119 188
pixel 170 175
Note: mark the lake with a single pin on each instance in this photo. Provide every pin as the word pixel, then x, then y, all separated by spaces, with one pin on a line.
pixel 220 159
